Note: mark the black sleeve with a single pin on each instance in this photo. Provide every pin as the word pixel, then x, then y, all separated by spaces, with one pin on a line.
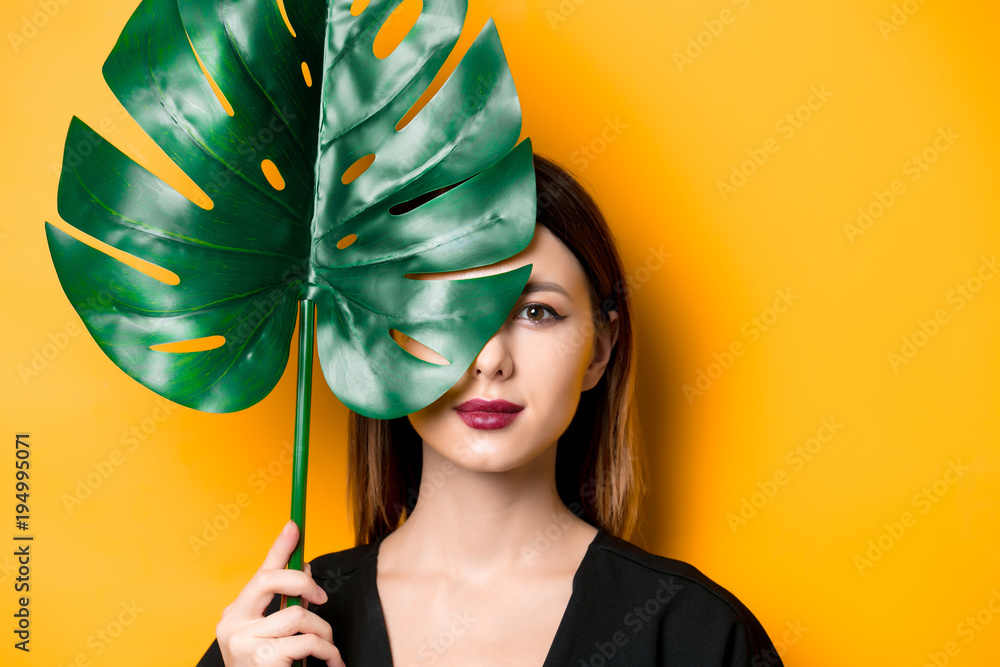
pixel 709 626
pixel 213 656
pixel 749 645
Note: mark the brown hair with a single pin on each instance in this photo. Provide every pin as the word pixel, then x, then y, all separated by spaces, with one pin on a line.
pixel 600 466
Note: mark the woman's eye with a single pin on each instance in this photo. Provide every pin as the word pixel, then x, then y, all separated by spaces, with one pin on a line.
pixel 535 312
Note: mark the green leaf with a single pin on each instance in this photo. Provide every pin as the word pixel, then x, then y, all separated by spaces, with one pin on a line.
pixel 267 243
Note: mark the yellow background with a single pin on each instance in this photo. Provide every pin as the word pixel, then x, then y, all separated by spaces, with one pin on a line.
pixel 603 90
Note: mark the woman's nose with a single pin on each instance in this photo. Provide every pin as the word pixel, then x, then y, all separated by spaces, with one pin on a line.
pixel 494 360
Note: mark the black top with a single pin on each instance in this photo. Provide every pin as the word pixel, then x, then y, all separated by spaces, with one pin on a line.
pixel 628 607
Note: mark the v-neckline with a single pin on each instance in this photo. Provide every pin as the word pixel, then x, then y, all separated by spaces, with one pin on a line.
pixel 383 632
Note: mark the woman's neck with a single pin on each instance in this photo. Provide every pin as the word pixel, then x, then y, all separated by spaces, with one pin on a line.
pixel 486 524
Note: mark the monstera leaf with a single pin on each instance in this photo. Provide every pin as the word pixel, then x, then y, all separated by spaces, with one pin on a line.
pixel 273 110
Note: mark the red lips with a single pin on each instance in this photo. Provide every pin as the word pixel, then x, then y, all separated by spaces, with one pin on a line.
pixel 488 415
pixel 482 405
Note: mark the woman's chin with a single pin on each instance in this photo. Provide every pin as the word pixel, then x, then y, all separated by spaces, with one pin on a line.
pixel 483 455
pixel 491 454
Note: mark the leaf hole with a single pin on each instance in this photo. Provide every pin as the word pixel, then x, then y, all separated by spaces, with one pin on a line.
pixel 284 16
pixel 406 206
pixel 503 266
pixel 347 240
pixel 358 168
pixel 443 74
pixel 193 345
pixel 272 175
pixel 396 27
pixel 226 106
pixel 418 349
pixel 169 179
pixel 359 6
pixel 155 272
pixel 432 90
pixel 307 75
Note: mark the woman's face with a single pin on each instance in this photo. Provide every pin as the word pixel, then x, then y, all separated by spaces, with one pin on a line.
pixel 541 359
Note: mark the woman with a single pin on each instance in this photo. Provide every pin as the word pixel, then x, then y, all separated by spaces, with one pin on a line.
pixel 529 475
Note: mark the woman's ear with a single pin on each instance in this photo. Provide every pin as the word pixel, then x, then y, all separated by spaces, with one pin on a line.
pixel 604 342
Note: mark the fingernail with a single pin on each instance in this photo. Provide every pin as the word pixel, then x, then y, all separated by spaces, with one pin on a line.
pixel 324 596
pixel 288 527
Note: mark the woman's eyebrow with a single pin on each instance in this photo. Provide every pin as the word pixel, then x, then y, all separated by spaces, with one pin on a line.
pixel 531 288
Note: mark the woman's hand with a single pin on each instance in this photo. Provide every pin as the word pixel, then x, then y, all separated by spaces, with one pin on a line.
pixel 247 638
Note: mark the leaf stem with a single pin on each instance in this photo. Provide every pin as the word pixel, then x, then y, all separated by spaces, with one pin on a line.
pixel 300 456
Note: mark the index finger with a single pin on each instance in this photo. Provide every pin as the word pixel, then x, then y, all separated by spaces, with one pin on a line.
pixel 279 553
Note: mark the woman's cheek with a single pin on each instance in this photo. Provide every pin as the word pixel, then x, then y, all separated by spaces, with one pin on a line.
pixel 429 423
pixel 572 346
pixel 564 359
